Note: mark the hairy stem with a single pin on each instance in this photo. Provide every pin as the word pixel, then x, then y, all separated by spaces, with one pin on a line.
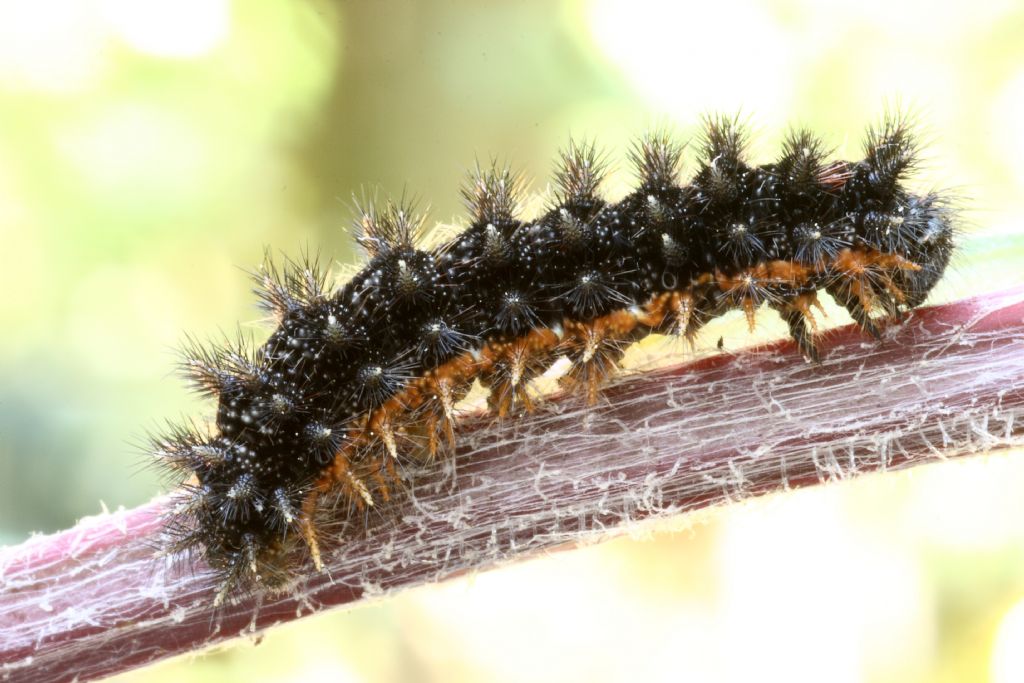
pixel 93 600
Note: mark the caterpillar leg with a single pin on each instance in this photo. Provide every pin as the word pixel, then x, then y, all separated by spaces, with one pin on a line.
pixel 509 382
pixel 869 280
pixel 513 365
pixel 436 418
pixel 855 307
pixel 797 313
pixel 309 535
pixel 595 357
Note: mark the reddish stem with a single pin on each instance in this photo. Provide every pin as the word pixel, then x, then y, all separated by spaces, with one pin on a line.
pixel 92 601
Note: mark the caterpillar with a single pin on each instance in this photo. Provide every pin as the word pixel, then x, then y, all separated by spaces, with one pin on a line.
pixel 355 380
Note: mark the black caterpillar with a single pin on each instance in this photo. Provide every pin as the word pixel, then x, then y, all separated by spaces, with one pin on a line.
pixel 354 380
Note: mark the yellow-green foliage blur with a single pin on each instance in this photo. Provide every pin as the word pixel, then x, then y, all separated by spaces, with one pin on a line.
pixel 151 149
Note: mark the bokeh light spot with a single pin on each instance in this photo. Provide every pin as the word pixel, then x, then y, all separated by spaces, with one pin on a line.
pixel 50 45
pixel 1008 653
pixel 740 57
pixel 170 28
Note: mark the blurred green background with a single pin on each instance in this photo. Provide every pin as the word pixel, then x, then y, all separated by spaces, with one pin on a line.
pixel 151 149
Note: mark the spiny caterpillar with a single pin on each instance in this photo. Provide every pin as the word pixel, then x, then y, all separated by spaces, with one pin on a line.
pixel 354 381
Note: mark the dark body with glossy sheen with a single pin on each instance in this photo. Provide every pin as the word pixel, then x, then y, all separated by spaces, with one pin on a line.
pixel 346 373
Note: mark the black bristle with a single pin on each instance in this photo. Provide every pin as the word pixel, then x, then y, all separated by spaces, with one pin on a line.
pixel 496 248
pixel 439 341
pixel 184 448
pixel 572 230
pixel 323 439
pixel 657 159
pixel 378 379
pixel 817 243
pixel 395 227
pixel 515 312
pixel 215 369
pixel 593 293
pixel 241 499
pixel 724 141
pixel 285 507
pixel 803 160
pixel 673 250
pixel 494 194
pixel 580 172
pixel 740 240
pixel 891 151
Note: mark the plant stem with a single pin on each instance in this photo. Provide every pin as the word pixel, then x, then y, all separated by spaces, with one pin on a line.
pixel 93 601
